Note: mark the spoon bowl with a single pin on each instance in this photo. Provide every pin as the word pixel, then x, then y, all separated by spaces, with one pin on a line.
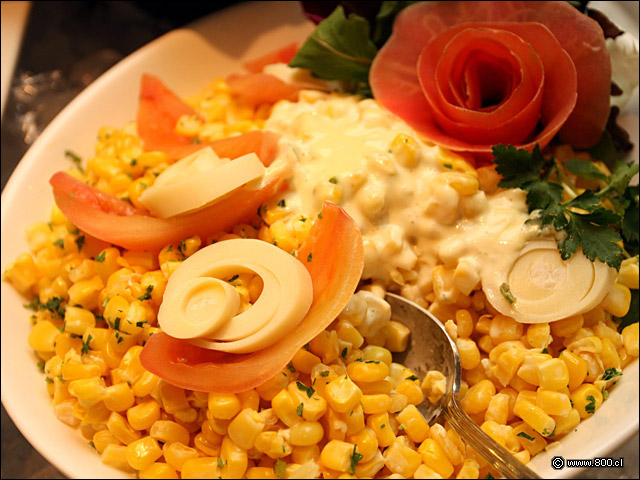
pixel 431 348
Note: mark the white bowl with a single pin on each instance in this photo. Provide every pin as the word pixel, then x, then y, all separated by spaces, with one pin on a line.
pixel 186 61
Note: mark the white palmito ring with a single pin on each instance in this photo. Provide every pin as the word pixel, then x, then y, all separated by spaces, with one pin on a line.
pixel 200 305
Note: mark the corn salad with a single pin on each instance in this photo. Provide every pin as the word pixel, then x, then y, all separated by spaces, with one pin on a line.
pixel 342 408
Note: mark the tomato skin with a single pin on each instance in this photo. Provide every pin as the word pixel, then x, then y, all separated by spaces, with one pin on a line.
pixel 114 221
pixel 334 256
pixel 159 110
pixel 281 55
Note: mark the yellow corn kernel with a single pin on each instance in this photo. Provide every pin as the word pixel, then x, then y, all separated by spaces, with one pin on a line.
pixel 403 148
pixel 553 374
pixel 435 458
pixel 478 397
pixel 370 468
pixel 381 426
pixel 144 415
pixel 173 398
pixel 143 452
pixel 576 367
pixel 119 398
pixel 566 423
pixel 412 390
pixel 377 403
pixel 397 336
pixel 304 361
pixel 342 394
pixel 42 336
pixel 469 353
pixel 401 459
pixel 630 339
pixel 366 443
pixel 168 432
pixel 273 444
pixel 349 333
pixel 285 408
pixel 311 408
pixel 245 427
pixel 158 470
pixel 272 387
pixel 336 455
pixel 618 300
pixel 325 345
pixel 372 371
pixel 498 409
pixel 121 429
pixel 86 292
pixel 397 401
pixel 116 456
pixel 234 459
pixel 77 320
pixel 530 440
pixel 64 342
pixel 424 471
pixel 305 434
pixel 88 391
pixel 202 467
pixel 72 370
pixel 586 399
pixel 434 385
pixel 22 273
pixel 567 327
pixel 628 274
pixel 504 329
pixel 374 353
pixel 469 469
pixel 485 343
pixel 302 455
pixel 553 403
pixel 259 473
pixel 415 425
pixel 175 454
pixel 609 355
pixel 448 446
pixel 145 384
pixel 539 335
pixel 106 263
pixel 103 438
pixel 535 417
pixel 224 406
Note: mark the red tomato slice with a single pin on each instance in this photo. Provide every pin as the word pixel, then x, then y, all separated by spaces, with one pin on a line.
pixel 334 256
pixel 281 55
pixel 260 88
pixel 158 113
pixel 115 221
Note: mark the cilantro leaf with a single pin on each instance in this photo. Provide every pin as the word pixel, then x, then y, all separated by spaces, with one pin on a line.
pixel 339 49
pixel 584 169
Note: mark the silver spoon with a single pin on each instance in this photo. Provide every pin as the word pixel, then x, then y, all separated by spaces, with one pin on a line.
pixel 432 349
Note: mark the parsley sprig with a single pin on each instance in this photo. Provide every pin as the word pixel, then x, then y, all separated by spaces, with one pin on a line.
pixel 582 221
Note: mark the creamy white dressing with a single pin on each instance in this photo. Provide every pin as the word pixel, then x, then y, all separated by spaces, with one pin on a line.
pixel 339 148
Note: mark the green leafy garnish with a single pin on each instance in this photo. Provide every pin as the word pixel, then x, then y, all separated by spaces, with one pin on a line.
pixel 412 377
pixel 339 49
pixel 505 290
pixel 354 460
pixel 300 409
pixel 85 345
pixel 343 354
pixel 528 437
pixel 580 222
pixel 75 158
pixel 591 406
pixel 221 463
pixel 280 468
pixel 101 256
pixel 310 390
pixel 80 242
pixel 147 294
pixel 40 365
pixel 611 373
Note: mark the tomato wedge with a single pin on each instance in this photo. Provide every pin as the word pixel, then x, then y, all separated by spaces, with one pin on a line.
pixel 334 256
pixel 117 222
pixel 260 88
pixel 281 55
pixel 158 113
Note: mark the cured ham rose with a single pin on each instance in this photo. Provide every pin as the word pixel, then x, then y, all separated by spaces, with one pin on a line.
pixel 468 75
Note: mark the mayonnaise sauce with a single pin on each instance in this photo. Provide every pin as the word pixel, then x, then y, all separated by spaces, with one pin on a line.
pixel 411 215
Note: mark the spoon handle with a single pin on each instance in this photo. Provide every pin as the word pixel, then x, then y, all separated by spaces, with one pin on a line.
pixel 493 452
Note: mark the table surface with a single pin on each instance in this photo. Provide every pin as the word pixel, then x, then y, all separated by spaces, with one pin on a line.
pixel 67 45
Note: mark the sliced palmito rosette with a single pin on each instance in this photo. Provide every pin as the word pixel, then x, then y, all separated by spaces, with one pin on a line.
pixel 467 75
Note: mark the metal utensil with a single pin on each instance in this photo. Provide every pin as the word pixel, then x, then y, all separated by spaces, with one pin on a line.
pixel 432 349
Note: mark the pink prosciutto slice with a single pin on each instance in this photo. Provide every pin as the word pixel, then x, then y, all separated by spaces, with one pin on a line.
pixel 395 81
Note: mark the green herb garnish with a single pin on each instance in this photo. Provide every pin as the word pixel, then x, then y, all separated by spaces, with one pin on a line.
pixel 75 158
pixel 611 373
pixel 580 221
pixel 528 437
pixel 147 294
pixel 280 468
pixel 354 460
pixel 85 345
pixel 310 390
pixel 591 406
pixel 299 409
pixel 101 256
pixel 505 290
